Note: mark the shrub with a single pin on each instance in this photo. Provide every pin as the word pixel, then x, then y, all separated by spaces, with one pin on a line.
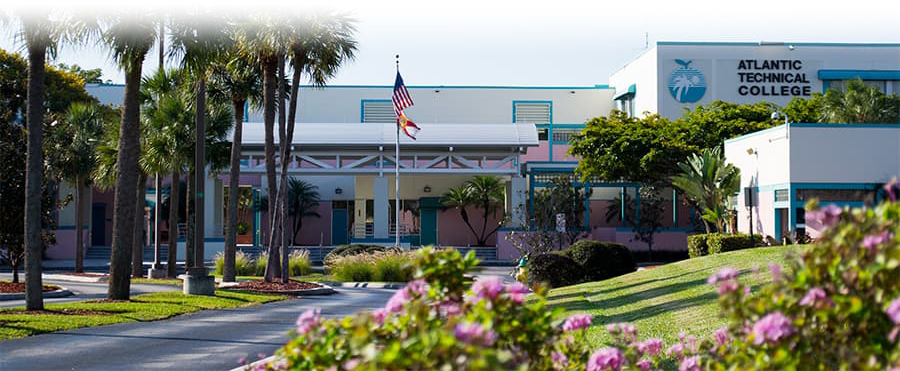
pixel 722 242
pixel 260 264
pixel 555 270
pixel 243 264
pixel 298 262
pixel 440 323
pixel 601 260
pixel 697 245
pixel 388 266
pixel 345 250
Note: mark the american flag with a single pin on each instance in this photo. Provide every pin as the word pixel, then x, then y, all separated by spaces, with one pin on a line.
pixel 401 97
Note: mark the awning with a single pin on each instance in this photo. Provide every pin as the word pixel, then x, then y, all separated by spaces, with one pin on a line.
pixel 626 94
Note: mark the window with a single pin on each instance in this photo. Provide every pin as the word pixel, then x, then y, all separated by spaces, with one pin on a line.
pixel 782 195
pixel 532 112
pixel 377 111
pixel 626 105
pixel 563 135
pixel 882 85
pixel 542 134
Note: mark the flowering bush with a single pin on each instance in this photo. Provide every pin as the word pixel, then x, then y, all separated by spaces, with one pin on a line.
pixel 387 266
pixel 441 321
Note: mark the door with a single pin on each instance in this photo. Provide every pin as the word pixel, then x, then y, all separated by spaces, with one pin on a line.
pixel 428 226
pixel 98 225
pixel 339 227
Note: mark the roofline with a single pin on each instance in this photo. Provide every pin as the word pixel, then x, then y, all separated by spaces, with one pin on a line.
pixel 778 43
pixel 595 87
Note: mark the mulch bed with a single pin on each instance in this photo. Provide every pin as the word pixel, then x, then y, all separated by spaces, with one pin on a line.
pixel 19 287
pixel 63 312
pixel 84 274
pixel 260 285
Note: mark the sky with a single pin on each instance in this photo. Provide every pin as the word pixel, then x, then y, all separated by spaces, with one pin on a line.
pixel 535 43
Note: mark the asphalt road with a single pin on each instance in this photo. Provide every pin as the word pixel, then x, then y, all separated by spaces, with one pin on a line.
pixel 207 340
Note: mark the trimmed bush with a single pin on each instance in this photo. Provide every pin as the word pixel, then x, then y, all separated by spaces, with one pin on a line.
pixel 601 260
pixel 354 249
pixel 554 270
pixel 721 242
pixel 697 245
pixel 384 266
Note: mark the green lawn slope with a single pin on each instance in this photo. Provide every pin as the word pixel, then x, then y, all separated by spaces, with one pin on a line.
pixel 665 300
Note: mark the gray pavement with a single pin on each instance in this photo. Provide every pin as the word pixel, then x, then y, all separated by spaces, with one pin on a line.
pixel 84 291
pixel 207 340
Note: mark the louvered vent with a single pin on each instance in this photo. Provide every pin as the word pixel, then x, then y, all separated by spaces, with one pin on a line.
pixel 378 112
pixel 533 113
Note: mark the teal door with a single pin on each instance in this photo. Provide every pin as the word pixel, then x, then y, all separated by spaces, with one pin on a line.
pixel 339 227
pixel 428 227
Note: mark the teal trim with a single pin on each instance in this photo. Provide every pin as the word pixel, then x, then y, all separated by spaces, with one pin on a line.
pixel 428 226
pixel 362 107
pixel 778 225
pixel 339 226
pixel 792 211
pixel 587 207
pixel 720 43
pixel 826 84
pixel 622 206
pixel 674 207
pixel 627 93
pixel 246 111
pixel 861 74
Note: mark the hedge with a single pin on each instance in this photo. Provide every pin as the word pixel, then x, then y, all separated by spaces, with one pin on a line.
pixel 697 245
pixel 714 243
pixel 554 270
pixel 601 260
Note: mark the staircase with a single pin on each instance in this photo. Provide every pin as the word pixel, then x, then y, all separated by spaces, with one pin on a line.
pixel 103 252
pixel 482 253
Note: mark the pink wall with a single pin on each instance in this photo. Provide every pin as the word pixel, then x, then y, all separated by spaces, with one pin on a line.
pixel 665 241
pixel 314 229
pixel 452 231
pixel 763 215
pixel 539 153
pixel 65 244
pixel 559 153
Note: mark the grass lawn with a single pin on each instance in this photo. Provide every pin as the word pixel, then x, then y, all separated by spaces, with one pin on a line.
pixel 665 300
pixel 158 306
pixel 158 281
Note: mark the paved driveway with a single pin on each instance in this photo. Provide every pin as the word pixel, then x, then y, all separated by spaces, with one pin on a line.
pixel 208 340
pixel 85 290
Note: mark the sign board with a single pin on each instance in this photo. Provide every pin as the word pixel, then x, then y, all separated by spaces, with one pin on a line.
pixel 560 222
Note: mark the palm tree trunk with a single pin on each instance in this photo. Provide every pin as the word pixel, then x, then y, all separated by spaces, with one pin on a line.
pixel 285 144
pixel 229 272
pixel 137 252
pixel 126 184
pixel 269 65
pixel 79 223
pixel 174 198
pixel 482 240
pixel 157 223
pixel 34 166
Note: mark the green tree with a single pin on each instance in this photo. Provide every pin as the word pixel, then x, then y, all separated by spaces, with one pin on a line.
pixel 75 143
pixel 128 34
pixel 645 221
pixel 483 192
pixel 199 39
pixel 805 109
pixel 710 183
pixel 235 80
pixel 91 76
pixel 860 104
pixel 560 197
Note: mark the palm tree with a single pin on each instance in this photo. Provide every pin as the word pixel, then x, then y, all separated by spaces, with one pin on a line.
pixel 237 81
pixel 263 39
pixel 708 181
pixel 303 200
pixel 41 34
pixel 129 36
pixel 198 39
pixel 82 126
pixel 460 198
pixel 488 194
pixel 318 46
pixel 859 104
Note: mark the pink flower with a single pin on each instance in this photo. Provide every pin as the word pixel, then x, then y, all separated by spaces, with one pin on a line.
pixel 242 360
pixel 726 273
pixel 308 320
pixel 517 292
pixel 379 315
pixel 577 322
pixel 559 359
pixel 475 334
pixel 776 271
pixel 690 364
pixel 401 297
pixel 644 365
pixel 727 286
pixel 893 310
pixel 676 349
pixel 281 364
pixel 488 287
pixel 606 359
pixel 650 347
pixel 692 342
pixel 771 328
pixel 891 188
pixel 721 336
pixel 824 217
pixel 448 308
pixel 351 363
pixel 872 240
pixel 813 296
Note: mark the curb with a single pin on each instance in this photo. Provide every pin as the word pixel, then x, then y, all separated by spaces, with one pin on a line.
pixel 325 290
pixel 61 293
pixel 369 285
pixel 66 277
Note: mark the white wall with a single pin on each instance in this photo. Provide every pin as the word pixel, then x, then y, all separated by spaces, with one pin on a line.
pixel 845 154
pixel 769 164
pixel 642 72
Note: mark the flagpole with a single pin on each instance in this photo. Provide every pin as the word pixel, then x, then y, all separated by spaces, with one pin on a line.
pixel 397 175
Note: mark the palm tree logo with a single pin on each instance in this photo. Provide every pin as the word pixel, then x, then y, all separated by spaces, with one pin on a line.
pixel 686 84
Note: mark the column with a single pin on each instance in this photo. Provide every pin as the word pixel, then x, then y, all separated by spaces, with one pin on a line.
pixel 517 196
pixel 382 211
